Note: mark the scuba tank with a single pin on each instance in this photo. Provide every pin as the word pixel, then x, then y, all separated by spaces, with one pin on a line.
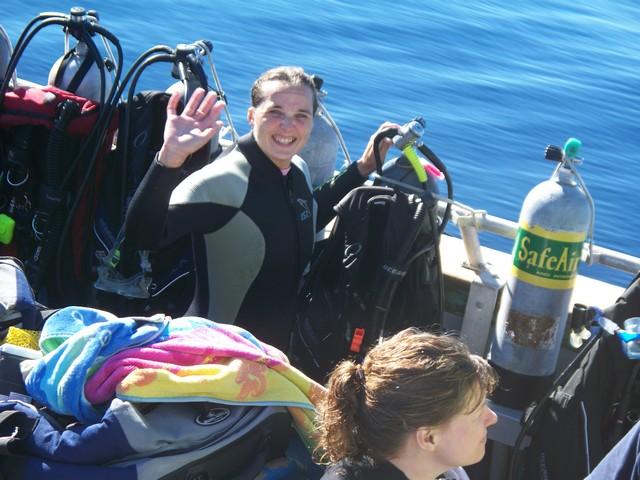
pixel 77 70
pixel 556 217
pixel 321 150
pixel 6 49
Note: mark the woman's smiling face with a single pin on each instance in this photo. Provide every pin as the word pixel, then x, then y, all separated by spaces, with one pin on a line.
pixel 282 121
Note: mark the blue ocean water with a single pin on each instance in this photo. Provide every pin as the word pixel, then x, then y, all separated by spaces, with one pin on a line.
pixel 496 82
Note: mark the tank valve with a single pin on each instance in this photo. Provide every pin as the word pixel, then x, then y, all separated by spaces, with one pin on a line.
pixel 553 153
pixel 409 133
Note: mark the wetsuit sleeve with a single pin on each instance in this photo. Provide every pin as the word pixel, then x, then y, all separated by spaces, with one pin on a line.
pixel 151 222
pixel 330 193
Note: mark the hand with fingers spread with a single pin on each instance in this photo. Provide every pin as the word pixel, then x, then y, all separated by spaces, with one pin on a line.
pixel 367 162
pixel 186 133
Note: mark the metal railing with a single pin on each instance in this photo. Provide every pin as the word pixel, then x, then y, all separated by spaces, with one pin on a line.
pixel 470 221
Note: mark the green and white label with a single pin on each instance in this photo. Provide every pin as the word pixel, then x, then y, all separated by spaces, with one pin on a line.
pixel 545 258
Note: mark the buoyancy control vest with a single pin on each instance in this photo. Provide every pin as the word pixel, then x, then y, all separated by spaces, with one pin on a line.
pixel 377 273
pixel 588 412
pixel 44 132
pixel 53 142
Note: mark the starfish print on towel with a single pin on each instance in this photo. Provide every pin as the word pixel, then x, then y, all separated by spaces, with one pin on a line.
pixel 253 377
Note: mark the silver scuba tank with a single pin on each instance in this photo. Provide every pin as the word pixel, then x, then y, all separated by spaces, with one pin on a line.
pixel 76 70
pixel 320 153
pixel 321 150
pixel 6 49
pixel 65 69
pixel 554 221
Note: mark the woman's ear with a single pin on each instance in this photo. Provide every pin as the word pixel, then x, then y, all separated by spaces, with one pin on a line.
pixel 251 111
pixel 426 438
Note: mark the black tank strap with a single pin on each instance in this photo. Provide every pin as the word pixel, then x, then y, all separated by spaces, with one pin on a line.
pixel 63 66
pixel 77 78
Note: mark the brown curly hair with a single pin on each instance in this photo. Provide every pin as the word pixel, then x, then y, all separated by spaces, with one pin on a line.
pixel 410 380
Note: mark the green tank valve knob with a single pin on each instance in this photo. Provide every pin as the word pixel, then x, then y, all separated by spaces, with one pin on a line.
pixel 7 227
pixel 572 148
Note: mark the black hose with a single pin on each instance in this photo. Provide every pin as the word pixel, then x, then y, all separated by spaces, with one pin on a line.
pixel 112 99
pixel 150 60
pixel 433 158
pixel 19 50
pixel 53 210
pixel 439 274
pixel 95 138
pixel 143 61
pixel 136 64
pixel 389 133
pixel 382 305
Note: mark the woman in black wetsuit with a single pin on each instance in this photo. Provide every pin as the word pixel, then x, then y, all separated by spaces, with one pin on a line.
pixel 252 214
pixel 415 409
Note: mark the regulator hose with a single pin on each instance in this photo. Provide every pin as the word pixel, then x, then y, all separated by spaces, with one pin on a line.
pixel 95 139
pixel 143 62
pixel 389 133
pixel 50 215
pixel 23 41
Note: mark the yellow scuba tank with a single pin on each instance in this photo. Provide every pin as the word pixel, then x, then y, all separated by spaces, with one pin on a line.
pixel 555 220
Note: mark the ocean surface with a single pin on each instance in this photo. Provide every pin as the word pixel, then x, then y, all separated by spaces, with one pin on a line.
pixel 495 81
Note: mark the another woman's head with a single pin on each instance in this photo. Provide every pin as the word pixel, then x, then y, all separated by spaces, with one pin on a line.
pixel 415 392
pixel 283 103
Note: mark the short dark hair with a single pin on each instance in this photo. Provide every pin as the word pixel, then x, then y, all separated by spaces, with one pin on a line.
pixel 295 76
pixel 413 379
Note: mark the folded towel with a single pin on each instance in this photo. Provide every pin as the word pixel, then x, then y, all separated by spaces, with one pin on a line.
pixel 203 360
pixel 77 340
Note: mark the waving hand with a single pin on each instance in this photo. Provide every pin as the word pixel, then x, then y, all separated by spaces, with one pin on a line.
pixel 187 132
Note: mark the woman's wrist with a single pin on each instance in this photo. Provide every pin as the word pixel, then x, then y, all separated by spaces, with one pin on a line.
pixel 168 159
pixel 363 168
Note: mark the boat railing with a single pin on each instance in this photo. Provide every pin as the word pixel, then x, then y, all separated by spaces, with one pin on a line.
pixel 471 221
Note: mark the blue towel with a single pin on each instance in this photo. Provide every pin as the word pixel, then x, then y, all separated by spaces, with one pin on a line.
pixel 76 340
